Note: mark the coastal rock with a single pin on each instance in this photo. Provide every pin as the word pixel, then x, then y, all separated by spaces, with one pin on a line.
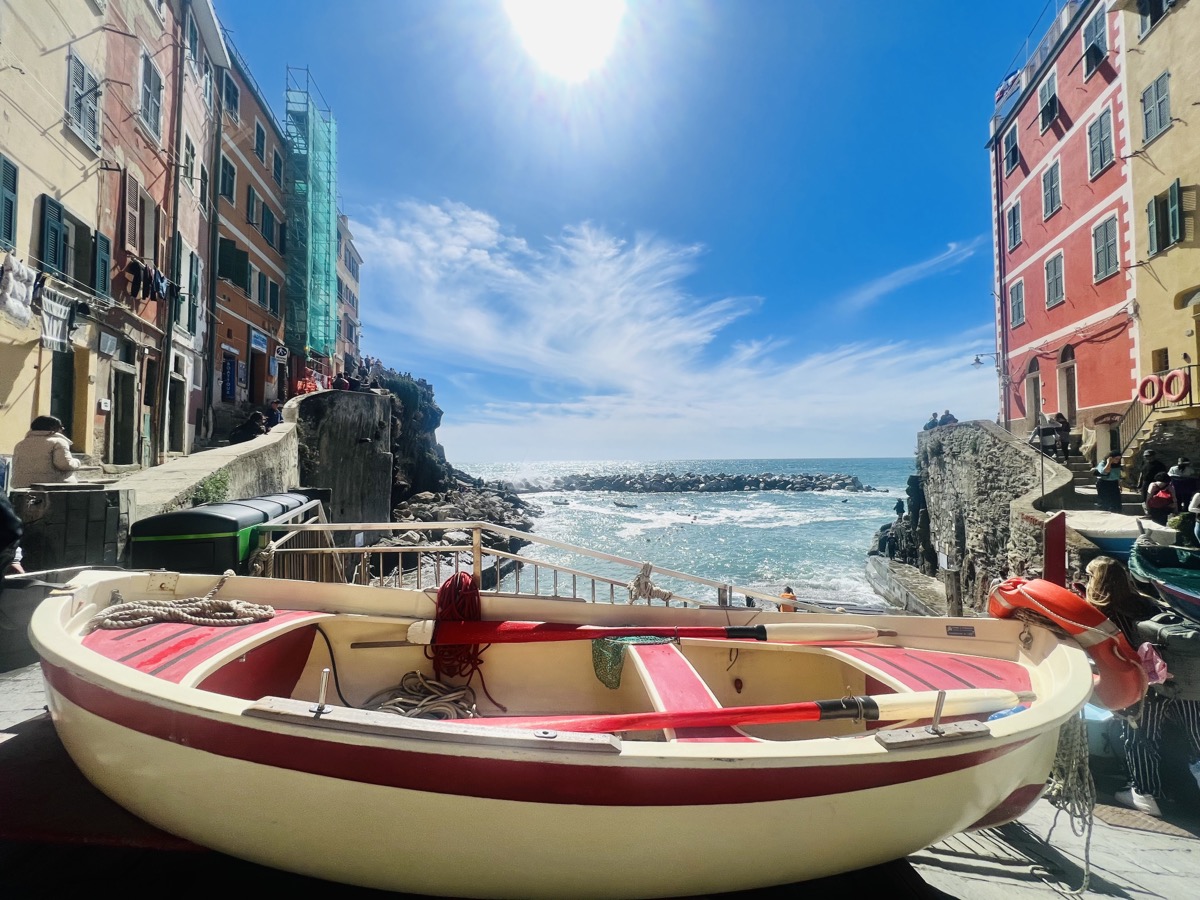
pixel 669 482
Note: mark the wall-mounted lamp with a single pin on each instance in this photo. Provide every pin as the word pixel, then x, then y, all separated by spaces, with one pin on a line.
pixel 978 361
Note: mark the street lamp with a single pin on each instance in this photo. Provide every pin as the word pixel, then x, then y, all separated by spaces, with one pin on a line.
pixel 1003 373
pixel 978 361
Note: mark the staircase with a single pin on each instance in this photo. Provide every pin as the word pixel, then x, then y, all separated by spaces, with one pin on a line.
pixel 1085 488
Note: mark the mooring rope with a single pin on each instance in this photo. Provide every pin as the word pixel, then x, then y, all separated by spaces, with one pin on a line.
pixel 420 697
pixel 642 588
pixel 1072 789
pixel 206 610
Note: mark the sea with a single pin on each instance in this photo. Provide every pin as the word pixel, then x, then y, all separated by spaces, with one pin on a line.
pixel 814 541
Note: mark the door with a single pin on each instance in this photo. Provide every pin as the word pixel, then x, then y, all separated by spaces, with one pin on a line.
pixel 1072 402
pixel 62 390
pixel 124 421
pixel 229 379
pixel 1033 399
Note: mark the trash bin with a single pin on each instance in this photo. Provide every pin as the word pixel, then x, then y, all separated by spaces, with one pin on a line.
pixel 206 539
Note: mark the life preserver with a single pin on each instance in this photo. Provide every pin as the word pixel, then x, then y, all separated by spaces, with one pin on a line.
pixel 1175 394
pixel 1120 680
pixel 1154 394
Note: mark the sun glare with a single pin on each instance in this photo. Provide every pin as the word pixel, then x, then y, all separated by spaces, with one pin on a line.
pixel 569 39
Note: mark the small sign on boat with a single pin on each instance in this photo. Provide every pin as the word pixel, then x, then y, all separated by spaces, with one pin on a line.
pixel 960 631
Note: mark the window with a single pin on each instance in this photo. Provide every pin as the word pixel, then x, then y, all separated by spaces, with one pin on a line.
pixel 189 162
pixel 228 178
pixel 1156 107
pixel 133 214
pixel 232 96
pixel 1151 12
pixel 8 203
pixel 277 168
pixel 103 265
pixel 193 39
pixel 1160 360
pixel 152 85
pixel 1104 248
pixel 252 280
pixel 1048 101
pixel 260 141
pixel 1162 215
pixel 1012 154
pixel 206 81
pixel 204 189
pixel 1016 303
pixel 83 101
pixel 72 251
pixel 1013 220
pixel 268 224
pixel 251 205
pixel 1054 280
pixel 282 245
pixel 273 293
pixel 1095 43
pixel 262 290
pixel 1051 190
pixel 1100 144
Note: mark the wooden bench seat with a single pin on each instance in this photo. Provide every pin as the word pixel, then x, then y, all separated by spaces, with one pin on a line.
pixel 673 685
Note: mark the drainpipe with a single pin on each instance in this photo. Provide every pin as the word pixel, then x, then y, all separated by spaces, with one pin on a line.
pixel 1002 299
pixel 212 201
pixel 164 374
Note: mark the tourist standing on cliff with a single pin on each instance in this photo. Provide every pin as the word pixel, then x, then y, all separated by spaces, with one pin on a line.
pixel 947 419
pixel 1108 483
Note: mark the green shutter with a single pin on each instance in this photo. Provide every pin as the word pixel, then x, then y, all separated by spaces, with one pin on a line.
pixel 262 288
pixel 1152 221
pixel 8 204
pixel 225 258
pixel 1173 230
pixel 54 243
pixel 193 291
pixel 102 281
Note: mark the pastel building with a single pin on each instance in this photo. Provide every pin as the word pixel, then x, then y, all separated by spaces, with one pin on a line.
pixel 349 326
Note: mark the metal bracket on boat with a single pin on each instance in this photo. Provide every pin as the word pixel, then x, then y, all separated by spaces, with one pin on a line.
pixel 921 735
pixel 321 708
pixel 163 581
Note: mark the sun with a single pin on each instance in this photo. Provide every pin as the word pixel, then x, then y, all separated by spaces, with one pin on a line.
pixel 569 39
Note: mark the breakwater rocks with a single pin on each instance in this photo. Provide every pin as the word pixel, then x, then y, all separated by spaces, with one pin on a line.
pixel 465 502
pixel 669 482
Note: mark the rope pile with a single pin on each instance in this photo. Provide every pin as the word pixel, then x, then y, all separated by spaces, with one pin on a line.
pixel 458 600
pixel 642 588
pixel 419 697
pixel 206 610
pixel 1072 790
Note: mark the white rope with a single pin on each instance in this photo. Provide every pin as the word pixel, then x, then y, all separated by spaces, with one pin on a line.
pixel 1072 789
pixel 642 588
pixel 206 610
pixel 420 697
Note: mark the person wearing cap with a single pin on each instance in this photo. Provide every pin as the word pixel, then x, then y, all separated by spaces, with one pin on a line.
pixel 1183 481
pixel 275 414
pixel 1152 467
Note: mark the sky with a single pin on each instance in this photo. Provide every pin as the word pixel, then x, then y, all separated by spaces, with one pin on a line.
pixel 752 229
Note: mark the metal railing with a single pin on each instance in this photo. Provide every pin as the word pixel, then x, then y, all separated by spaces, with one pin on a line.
pixel 548 568
pixel 1134 419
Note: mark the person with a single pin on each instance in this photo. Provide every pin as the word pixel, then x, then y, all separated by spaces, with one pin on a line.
pixel 1160 500
pixel 1110 591
pixel 1063 448
pixel 1194 509
pixel 1108 483
pixel 787 599
pixel 947 419
pixel 340 383
pixel 1152 467
pixel 11 530
pixel 899 508
pixel 248 430
pixel 1183 482
pixel 275 414
pixel 932 423
pixel 44 455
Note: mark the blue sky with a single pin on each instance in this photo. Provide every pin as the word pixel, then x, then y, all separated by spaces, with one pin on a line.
pixel 759 229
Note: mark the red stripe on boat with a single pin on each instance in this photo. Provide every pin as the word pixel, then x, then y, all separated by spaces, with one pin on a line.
pixel 929 670
pixel 573 780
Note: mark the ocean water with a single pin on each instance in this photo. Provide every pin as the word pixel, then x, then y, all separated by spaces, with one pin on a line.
pixel 814 541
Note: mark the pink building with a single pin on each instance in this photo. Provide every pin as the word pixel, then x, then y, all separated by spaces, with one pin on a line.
pixel 1061 204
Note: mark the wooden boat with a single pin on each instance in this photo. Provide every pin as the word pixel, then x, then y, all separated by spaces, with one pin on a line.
pixel 624 505
pixel 731 757
pixel 1171 572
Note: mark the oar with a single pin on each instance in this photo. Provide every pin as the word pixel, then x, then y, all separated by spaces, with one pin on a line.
pixel 885 707
pixel 429 631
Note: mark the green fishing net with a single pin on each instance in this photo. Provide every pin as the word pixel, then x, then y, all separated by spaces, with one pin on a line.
pixel 608 656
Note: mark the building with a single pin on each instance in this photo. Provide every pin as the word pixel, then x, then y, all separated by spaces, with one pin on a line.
pixel 349 327
pixel 311 183
pixel 1164 86
pixel 248 371
pixel 1065 305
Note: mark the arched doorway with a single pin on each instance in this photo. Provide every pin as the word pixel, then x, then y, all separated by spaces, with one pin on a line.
pixel 1033 393
pixel 1068 401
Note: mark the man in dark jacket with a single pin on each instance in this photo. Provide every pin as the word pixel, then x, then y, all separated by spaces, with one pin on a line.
pixel 248 430
pixel 1152 467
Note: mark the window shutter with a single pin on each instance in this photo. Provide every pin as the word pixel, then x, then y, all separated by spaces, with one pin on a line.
pixel 8 204
pixel 53 237
pixel 1098 251
pixel 283 237
pixel 1173 230
pixel 1152 220
pixel 1106 151
pixel 91 107
pixel 241 262
pixel 103 277
pixel 1149 114
pixel 76 78
pixel 133 199
pixel 262 288
pixel 1162 89
pixel 274 292
pixel 193 290
pixel 225 258
pixel 250 199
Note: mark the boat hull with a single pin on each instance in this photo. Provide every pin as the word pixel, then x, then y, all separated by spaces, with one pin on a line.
pixel 431 841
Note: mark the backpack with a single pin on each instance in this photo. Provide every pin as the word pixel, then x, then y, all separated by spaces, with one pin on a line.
pixel 1160 500
pixel 1178 642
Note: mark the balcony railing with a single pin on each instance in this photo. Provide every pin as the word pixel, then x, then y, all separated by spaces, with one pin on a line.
pixel 1138 413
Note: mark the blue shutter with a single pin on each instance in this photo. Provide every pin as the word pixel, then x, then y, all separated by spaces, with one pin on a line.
pixel 54 237
pixel 1106 144
pixel 1173 230
pixel 102 281
pixel 8 204
pixel 1149 114
pixel 1152 221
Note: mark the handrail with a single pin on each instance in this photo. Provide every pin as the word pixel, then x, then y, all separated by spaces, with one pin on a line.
pixel 1138 413
pixel 357 560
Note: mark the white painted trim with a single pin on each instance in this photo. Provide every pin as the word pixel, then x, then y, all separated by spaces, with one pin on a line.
pixel 1072 328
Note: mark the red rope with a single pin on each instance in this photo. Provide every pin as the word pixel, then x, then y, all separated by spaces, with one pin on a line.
pixel 458 601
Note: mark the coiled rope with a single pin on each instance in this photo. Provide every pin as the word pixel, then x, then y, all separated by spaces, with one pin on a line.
pixel 420 697
pixel 458 600
pixel 1072 790
pixel 642 588
pixel 206 610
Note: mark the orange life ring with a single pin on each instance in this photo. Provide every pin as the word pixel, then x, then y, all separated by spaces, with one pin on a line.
pixel 1175 394
pixel 1121 681
pixel 1155 384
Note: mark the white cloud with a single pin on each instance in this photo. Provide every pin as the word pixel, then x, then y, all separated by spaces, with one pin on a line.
pixel 619 360
pixel 868 293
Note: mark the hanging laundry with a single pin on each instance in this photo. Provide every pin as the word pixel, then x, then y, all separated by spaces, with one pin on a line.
pixel 56 315
pixel 135 275
pixel 16 289
pixel 158 289
pixel 148 283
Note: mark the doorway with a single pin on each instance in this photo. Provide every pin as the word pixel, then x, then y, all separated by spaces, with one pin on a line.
pixel 1033 394
pixel 1068 401
pixel 124 419
pixel 62 390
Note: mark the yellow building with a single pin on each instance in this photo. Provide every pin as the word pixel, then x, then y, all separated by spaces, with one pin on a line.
pixel 349 327
pixel 52 56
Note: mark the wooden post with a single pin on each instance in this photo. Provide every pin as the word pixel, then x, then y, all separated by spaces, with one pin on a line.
pixel 477 556
pixel 1054 549
pixel 954 604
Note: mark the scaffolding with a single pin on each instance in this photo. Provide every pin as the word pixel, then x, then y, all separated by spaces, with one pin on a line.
pixel 311 328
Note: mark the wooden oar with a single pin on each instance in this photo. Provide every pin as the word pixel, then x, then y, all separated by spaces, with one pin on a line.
pixel 430 631
pixel 885 707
